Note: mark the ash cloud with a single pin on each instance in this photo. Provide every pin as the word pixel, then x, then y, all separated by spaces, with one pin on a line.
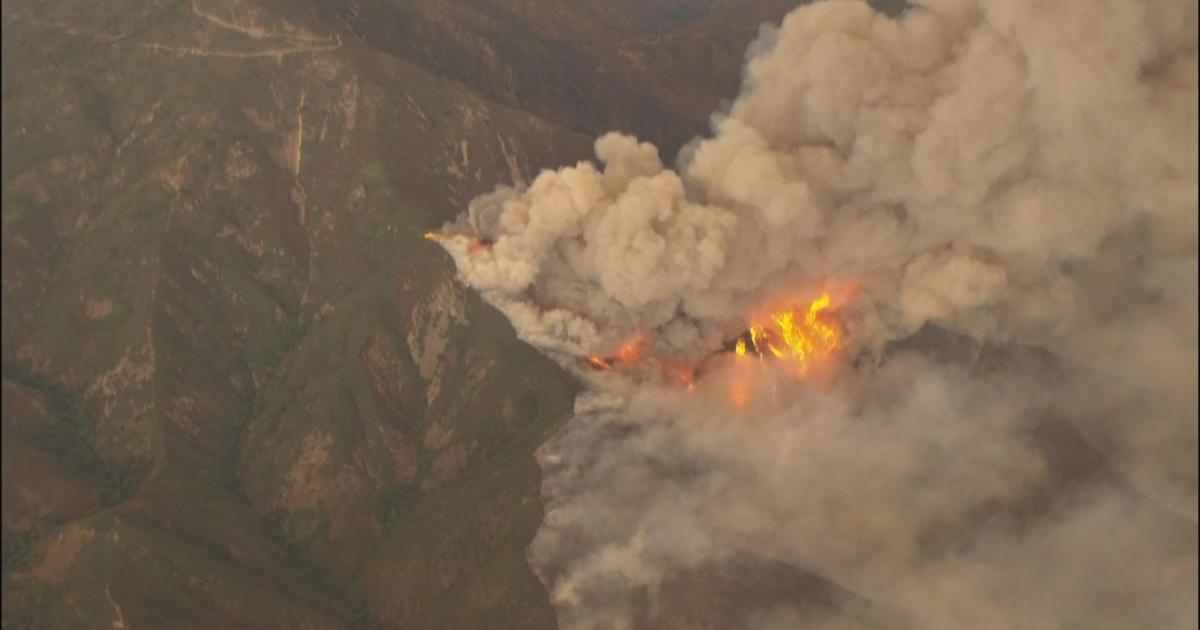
pixel 1010 438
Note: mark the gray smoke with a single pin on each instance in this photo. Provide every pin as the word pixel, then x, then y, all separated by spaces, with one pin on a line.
pixel 1009 438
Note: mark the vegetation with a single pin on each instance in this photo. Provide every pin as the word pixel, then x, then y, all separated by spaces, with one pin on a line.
pixel 288 411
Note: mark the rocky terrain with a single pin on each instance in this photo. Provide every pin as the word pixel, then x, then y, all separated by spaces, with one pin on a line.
pixel 239 390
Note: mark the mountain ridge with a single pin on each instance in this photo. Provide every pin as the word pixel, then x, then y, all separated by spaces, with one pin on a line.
pixel 240 389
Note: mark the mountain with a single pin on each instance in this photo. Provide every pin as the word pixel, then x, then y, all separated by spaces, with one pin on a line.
pixel 239 389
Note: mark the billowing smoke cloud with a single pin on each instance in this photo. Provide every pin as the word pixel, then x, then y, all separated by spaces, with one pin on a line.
pixel 1009 437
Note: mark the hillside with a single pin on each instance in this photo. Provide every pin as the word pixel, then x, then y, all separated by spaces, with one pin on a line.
pixel 239 390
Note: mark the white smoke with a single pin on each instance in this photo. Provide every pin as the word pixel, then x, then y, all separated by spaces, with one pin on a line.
pixel 1020 172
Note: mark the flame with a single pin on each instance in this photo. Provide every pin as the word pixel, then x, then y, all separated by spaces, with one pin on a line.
pixel 628 352
pixel 600 363
pixel 434 236
pixel 683 373
pixel 631 351
pixel 798 335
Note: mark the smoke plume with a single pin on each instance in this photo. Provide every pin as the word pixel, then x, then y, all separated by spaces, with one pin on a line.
pixel 1003 195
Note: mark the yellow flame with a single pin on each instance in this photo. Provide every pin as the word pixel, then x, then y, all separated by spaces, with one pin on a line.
pixel 798 335
pixel 433 236
pixel 600 363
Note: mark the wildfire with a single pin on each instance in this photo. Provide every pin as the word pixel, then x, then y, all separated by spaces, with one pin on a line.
pixel 627 353
pixel 631 351
pixel 798 335
pixel 685 374
pixel 475 246
pixel 739 392
pixel 600 363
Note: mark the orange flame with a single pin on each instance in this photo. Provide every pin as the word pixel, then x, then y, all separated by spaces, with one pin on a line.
pixel 685 374
pixel 631 351
pixel 801 336
pixel 628 352
pixel 600 363
pixel 739 391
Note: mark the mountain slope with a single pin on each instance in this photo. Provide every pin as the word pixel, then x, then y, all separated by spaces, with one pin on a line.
pixel 239 388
